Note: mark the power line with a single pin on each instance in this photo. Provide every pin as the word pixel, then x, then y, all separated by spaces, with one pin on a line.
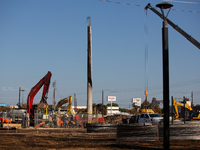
pixel 145 6
pixel 182 2
pixel 151 88
pixel 122 3
pixel 59 93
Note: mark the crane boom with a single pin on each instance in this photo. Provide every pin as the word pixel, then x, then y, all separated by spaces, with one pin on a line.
pixel 44 81
pixel 176 27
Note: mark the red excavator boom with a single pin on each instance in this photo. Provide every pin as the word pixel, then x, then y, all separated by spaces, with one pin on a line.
pixel 44 81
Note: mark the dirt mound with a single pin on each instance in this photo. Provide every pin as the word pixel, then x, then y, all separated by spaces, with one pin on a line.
pixel 115 119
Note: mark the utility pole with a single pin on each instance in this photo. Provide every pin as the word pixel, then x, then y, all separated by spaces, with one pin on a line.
pixel 166 131
pixel 102 102
pixel 22 96
pixel 172 108
pixel 184 108
pixel 89 71
pixel 75 102
pixel 54 95
pixel 192 99
pixel 19 96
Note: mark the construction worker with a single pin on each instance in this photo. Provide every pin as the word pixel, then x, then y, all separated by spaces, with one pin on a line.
pixel 50 120
pixel 72 120
pixel 65 120
pixel 76 119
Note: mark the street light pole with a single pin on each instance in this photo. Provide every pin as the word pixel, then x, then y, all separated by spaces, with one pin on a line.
pixel 22 96
pixel 166 128
pixel 19 96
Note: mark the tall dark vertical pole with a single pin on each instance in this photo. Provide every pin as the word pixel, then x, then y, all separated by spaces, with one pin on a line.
pixel 172 108
pixel 19 96
pixel 75 102
pixel 54 95
pixel 192 99
pixel 165 84
pixel 54 98
pixel 102 102
pixel 89 72
pixel 184 108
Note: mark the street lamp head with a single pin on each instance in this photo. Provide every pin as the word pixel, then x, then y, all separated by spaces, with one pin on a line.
pixel 164 5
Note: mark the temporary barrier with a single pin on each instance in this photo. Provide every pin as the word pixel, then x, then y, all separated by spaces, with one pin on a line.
pixel 179 131
pixel 94 127
pixel 6 120
pixel 136 132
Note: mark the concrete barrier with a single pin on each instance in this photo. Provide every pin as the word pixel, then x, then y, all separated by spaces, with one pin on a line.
pixel 94 127
pixel 136 132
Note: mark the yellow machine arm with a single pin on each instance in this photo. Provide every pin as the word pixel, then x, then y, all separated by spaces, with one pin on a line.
pixel 180 104
pixel 64 101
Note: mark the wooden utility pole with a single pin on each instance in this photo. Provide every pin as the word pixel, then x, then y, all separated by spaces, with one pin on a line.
pixel 102 102
pixel 19 96
pixel 192 99
pixel 75 102
pixel 89 72
pixel 54 95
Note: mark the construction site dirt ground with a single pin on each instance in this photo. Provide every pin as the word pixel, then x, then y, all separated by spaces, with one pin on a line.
pixel 77 138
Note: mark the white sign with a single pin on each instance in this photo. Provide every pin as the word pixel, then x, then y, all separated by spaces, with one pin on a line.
pixel 137 101
pixel 111 98
pixel 189 103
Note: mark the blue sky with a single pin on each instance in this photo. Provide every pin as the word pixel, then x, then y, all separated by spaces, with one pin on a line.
pixel 47 35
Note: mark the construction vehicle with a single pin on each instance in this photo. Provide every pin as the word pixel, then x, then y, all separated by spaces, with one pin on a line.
pixel 150 108
pixel 64 101
pixel 194 115
pixel 43 102
pixel 146 111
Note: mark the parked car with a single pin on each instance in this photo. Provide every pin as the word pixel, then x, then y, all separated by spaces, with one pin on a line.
pixel 149 117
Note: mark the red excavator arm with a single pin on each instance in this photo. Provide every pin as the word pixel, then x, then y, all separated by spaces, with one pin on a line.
pixel 44 81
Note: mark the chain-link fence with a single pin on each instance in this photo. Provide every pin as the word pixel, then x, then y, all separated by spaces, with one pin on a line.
pixel 14 118
pixel 57 120
pixel 50 119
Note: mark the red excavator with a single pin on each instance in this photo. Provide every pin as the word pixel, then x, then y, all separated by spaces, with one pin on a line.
pixel 44 81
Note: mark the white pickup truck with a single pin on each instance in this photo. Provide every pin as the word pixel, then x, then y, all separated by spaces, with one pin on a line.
pixel 149 117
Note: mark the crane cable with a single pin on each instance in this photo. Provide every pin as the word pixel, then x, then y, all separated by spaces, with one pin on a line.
pixel 146 56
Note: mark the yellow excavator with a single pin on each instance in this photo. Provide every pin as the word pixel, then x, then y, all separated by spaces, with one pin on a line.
pixel 149 108
pixel 64 101
pixel 146 108
pixel 194 114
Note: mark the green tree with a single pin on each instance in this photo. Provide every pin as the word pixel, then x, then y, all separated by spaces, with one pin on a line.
pixel 3 109
pixel 122 109
pixel 156 108
pixel 113 104
pixel 145 104
pixel 131 111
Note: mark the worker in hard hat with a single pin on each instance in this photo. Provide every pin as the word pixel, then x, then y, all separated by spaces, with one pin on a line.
pixel 64 118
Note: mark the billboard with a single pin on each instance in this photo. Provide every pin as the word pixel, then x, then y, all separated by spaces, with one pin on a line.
pixel 137 101
pixel 111 98
pixel 189 103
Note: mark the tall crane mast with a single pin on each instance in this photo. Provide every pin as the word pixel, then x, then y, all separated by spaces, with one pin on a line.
pixel 176 27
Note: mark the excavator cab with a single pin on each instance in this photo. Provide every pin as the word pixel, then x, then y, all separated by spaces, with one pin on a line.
pixel 195 115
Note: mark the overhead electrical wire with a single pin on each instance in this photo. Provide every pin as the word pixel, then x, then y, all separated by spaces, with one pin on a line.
pixel 145 6
pixel 156 87
pixel 146 56
pixel 182 2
